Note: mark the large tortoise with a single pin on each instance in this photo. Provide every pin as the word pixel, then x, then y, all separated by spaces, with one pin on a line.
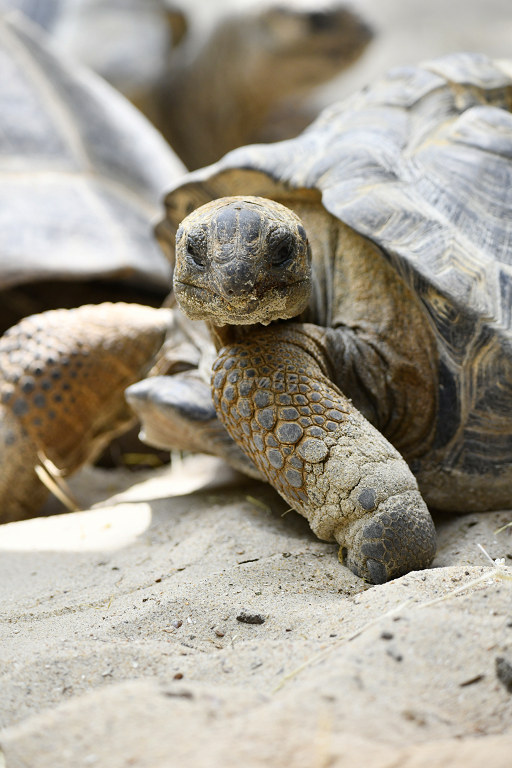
pixel 404 192
pixel 394 311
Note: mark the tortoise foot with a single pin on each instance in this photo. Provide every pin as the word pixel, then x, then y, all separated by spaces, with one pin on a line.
pixel 174 411
pixel 399 537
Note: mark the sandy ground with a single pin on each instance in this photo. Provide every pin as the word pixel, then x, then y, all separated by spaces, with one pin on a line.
pixel 190 621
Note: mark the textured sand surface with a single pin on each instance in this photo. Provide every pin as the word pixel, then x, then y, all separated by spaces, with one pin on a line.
pixel 174 626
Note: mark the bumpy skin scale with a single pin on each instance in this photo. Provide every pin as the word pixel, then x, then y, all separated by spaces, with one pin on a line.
pixel 62 379
pixel 323 457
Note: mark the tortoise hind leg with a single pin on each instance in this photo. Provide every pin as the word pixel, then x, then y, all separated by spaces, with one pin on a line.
pixel 276 401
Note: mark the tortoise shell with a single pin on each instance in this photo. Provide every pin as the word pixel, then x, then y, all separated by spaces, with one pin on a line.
pixel 81 171
pixel 132 40
pixel 421 164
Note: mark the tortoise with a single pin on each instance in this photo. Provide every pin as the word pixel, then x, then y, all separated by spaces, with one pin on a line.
pixel 248 71
pixel 356 282
pixel 81 178
pixel 393 310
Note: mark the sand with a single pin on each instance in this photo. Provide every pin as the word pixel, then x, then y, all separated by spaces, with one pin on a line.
pixel 191 620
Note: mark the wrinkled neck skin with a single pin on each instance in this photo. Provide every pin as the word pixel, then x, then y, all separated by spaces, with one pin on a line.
pixel 367 331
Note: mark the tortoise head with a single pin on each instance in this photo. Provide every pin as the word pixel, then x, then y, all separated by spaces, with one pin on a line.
pixel 242 260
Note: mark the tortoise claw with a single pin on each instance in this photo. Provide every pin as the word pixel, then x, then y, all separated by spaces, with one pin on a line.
pixel 399 537
pixel 173 410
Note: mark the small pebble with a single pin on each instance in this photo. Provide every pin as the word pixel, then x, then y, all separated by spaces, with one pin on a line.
pixel 250 618
pixel 504 672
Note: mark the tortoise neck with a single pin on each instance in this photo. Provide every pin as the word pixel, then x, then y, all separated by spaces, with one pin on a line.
pixel 367 331
pixel 383 342
pixel 223 335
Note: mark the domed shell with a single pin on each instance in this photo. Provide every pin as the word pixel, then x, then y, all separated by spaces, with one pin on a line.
pixel 81 171
pixel 421 164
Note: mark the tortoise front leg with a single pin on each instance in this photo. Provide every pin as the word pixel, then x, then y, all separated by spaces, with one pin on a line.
pixel 62 379
pixel 326 460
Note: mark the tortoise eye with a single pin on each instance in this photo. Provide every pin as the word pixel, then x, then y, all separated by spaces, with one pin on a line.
pixel 283 251
pixel 194 251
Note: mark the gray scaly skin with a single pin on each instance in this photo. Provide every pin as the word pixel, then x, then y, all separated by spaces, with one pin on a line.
pixel 242 264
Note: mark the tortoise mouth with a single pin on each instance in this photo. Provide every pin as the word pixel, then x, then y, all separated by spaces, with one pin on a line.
pixel 277 303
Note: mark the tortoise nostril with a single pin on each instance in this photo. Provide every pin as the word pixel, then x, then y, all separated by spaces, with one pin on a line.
pixel 241 293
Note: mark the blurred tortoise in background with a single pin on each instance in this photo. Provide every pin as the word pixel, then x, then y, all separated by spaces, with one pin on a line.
pixel 404 191
pixel 127 42
pixel 383 332
pixel 246 72
pixel 210 75
pixel 81 178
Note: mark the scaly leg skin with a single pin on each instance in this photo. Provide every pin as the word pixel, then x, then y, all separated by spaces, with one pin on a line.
pixel 327 461
pixel 62 379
